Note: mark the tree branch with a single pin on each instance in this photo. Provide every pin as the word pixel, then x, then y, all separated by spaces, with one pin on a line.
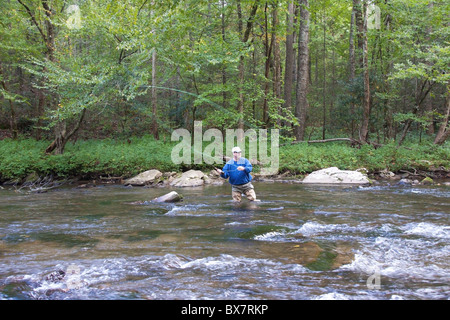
pixel 250 22
pixel 34 20
pixel 142 6
pixel 77 126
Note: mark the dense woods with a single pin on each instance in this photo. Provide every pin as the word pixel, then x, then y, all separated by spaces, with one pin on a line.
pixel 373 71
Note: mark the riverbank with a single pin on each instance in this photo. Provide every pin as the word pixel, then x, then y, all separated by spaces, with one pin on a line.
pixel 112 161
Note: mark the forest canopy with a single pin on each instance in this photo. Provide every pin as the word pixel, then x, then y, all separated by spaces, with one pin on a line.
pixel 372 71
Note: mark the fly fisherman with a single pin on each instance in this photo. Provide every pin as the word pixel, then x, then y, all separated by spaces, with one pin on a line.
pixel 238 170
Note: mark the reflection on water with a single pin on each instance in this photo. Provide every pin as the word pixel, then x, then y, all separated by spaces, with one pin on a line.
pixel 299 242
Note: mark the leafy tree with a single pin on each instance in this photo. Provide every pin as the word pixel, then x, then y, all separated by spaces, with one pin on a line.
pixel 312 68
pixel 421 41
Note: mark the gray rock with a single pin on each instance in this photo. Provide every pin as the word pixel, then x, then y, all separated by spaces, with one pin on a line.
pixel 172 196
pixel 335 176
pixel 386 174
pixel 405 182
pixel 144 178
pixel 191 178
pixel 213 178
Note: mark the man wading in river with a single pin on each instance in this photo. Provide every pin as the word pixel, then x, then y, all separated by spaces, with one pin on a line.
pixel 238 170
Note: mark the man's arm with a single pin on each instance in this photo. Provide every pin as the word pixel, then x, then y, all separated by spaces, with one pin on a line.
pixel 248 166
pixel 224 172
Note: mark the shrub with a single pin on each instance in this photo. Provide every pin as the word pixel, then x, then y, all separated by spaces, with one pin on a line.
pixel 128 157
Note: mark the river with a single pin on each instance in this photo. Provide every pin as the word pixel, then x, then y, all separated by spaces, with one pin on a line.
pixel 301 241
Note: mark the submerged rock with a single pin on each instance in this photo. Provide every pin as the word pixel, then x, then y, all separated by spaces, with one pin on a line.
pixel 407 182
pixel 56 276
pixel 144 178
pixel 334 175
pixel 169 197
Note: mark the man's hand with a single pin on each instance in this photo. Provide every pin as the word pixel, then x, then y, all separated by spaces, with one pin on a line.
pixel 241 168
pixel 219 171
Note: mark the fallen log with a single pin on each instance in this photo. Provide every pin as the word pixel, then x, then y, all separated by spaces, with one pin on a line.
pixel 353 142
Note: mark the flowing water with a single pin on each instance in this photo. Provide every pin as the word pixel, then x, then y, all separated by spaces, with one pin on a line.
pixel 299 242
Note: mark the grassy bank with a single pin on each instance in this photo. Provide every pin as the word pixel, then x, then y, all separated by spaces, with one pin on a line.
pixel 91 158
pixel 84 159
pixel 306 158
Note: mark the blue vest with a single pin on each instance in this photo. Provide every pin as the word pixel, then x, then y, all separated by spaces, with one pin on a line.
pixel 237 177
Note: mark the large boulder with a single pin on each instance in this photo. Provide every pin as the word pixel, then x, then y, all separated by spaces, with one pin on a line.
pixel 169 197
pixel 191 178
pixel 333 175
pixel 213 178
pixel 144 178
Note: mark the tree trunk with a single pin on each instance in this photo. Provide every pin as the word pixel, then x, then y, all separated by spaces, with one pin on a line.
pixel 276 62
pixel 244 39
pixel 60 141
pixel 358 55
pixel 289 64
pixel 364 133
pixel 420 98
pixel 359 24
pixel 40 111
pixel 154 98
pixel 240 107
pixel 12 117
pixel 62 138
pixel 324 92
pixel 271 50
pixel 428 100
pixel 301 106
pixel 352 69
pixel 224 72
pixel 48 37
pixel 389 117
pixel 444 129
pixel 268 52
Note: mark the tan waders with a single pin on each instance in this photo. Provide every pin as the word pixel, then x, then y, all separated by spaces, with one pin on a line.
pixel 246 189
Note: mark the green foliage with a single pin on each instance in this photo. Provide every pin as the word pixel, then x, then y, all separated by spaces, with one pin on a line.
pixel 423 121
pixel 421 38
pixel 85 158
pixel 304 158
pixel 128 157
pixel 100 61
